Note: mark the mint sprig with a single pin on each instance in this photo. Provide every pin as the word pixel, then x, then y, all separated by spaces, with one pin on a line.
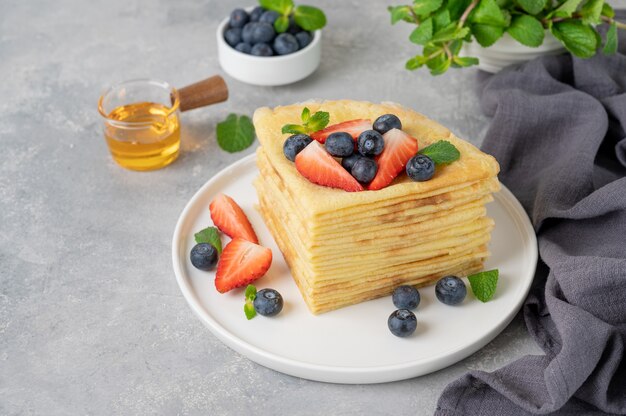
pixel 236 133
pixel 248 307
pixel 307 17
pixel 209 235
pixel 484 284
pixel 441 152
pixel 310 123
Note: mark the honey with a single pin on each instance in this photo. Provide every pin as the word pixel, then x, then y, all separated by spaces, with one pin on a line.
pixel 143 135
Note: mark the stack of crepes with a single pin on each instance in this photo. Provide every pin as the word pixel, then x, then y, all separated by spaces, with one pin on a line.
pixel 348 247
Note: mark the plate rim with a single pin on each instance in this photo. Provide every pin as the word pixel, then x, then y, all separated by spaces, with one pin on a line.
pixel 333 373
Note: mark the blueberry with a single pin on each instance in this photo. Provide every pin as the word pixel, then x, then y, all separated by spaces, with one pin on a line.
pixel 370 143
pixel 268 302
pixel 262 49
pixel 293 26
pixel 238 18
pixel 203 256
pixel 387 122
pixel 269 16
pixel 402 323
pixel 450 290
pixel 258 32
pixel 406 297
pixel 420 168
pixel 243 47
pixel 294 145
pixel 285 44
pixel 348 162
pixel 364 169
pixel 339 144
pixel 256 13
pixel 233 36
pixel 304 39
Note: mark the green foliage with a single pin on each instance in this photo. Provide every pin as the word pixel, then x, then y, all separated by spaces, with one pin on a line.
pixel 236 133
pixel 484 284
pixel 310 123
pixel 443 152
pixel 307 17
pixel 443 26
pixel 209 235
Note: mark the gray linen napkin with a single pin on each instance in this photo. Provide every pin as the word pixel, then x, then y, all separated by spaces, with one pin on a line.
pixel 559 133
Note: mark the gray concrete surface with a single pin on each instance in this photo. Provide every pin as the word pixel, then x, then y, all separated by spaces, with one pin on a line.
pixel 91 319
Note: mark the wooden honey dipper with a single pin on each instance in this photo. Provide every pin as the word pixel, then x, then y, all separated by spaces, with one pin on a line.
pixel 202 93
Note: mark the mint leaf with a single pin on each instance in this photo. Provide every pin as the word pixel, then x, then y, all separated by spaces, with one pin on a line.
pixel 424 7
pixel 439 64
pixel 578 38
pixel 281 24
pixel 527 30
pixel 415 62
pixel 484 284
pixel 488 13
pixel 591 11
pixel 441 19
pixel 450 33
pixel 209 235
pixel 400 13
pixel 567 9
pixel 532 6
pixel 610 45
pixel 423 33
pixel 464 61
pixel 248 307
pixel 306 115
pixel 607 10
pixel 318 121
pixel 309 17
pixel 457 7
pixel 293 129
pixel 441 152
pixel 236 133
pixel 281 6
pixel 487 35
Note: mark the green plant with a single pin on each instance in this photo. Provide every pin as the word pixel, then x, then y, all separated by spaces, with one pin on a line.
pixel 443 26
pixel 307 17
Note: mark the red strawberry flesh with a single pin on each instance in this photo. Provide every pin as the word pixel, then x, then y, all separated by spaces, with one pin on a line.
pixel 230 219
pixel 352 127
pixel 240 264
pixel 319 167
pixel 399 148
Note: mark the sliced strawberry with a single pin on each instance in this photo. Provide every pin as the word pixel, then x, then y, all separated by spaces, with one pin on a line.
pixel 230 219
pixel 352 127
pixel 241 263
pixel 318 166
pixel 399 148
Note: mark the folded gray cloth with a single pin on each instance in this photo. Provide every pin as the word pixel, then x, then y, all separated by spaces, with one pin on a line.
pixel 559 133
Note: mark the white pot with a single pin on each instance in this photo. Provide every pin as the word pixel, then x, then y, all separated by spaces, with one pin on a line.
pixel 507 51
pixel 268 70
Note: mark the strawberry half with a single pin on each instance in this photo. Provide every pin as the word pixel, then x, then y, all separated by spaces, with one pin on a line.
pixel 352 127
pixel 230 219
pixel 241 263
pixel 318 166
pixel 399 148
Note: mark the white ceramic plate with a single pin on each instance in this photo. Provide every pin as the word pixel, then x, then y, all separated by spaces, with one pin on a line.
pixel 353 344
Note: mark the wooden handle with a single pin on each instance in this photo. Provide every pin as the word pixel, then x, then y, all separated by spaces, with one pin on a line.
pixel 209 91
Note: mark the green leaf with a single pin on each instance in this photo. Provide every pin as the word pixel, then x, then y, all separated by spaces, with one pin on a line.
pixel 443 152
pixel 281 6
pixel 608 11
pixel 527 30
pixel 591 11
pixel 318 121
pixel 424 7
pixel 209 235
pixel 309 17
pixel 610 46
pixel 455 46
pixel 532 6
pixel 400 13
pixel 423 33
pixel 464 61
pixel 415 62
pixel 451 32
pixel 236 133
pixel 439 64
pixel 487 35
pixel 250 293
pixel 306 115
pixel 488 13
pixel 484 284
pixel 281 24
pixel 578 38
pixel 441 19
pixel 456 8
pixel 567 9
pixel 248 309
pixel 293 129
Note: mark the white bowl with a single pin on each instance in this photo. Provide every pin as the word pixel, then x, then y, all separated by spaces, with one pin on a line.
pixel 507 51
pixel 268 70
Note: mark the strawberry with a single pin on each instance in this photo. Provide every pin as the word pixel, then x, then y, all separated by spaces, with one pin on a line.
pixel 315 164
pixel 241 263
pixel 230 219
pixel 352 127
pixel 399 148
